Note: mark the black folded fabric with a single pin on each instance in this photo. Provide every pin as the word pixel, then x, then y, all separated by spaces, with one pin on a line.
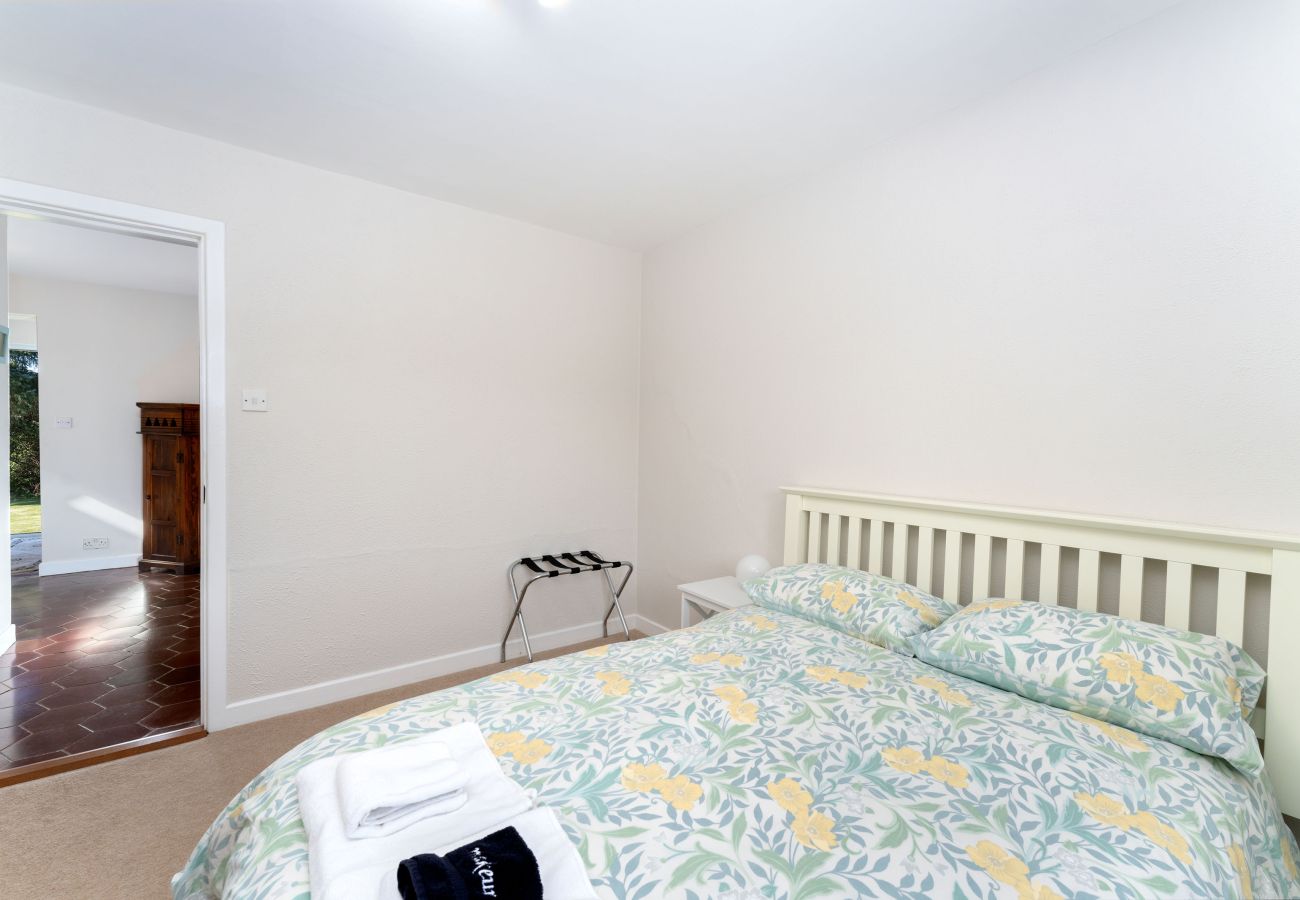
pixel 499 866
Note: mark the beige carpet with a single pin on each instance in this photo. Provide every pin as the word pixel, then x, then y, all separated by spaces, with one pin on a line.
pixel 122 829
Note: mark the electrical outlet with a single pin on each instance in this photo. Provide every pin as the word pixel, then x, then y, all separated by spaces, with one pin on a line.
pixel 63 423
pixel 95 543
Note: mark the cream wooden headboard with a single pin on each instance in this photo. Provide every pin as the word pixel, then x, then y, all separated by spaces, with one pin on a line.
pixel 966 551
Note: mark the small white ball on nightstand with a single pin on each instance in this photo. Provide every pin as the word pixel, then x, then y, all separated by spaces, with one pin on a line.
pixel 751 566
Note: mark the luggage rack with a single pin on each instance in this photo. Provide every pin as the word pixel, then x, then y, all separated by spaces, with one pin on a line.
pixel 552 565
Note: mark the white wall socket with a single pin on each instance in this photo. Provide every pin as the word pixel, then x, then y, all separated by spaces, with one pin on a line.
pixel 254 400
pixel 63 423
pixel 96 543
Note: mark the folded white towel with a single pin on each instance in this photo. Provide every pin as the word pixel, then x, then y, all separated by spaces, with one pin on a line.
pixel 564 877
pixel 343 869
pixel 385 790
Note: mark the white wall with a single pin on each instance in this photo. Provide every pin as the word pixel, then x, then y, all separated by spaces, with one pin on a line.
pixel 1080 294
pixel 373 509
pixel 102 350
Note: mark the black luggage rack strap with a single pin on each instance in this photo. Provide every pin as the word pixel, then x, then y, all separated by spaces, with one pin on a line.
pixel 551 565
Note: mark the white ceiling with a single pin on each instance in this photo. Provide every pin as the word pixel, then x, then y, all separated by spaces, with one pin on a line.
pixel 70 253
pixel 624 120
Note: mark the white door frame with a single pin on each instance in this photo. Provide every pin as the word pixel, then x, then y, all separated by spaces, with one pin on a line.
pixel 209 236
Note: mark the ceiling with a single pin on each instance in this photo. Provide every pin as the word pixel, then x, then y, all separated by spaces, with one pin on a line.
pixel 71 253
pixel 628 121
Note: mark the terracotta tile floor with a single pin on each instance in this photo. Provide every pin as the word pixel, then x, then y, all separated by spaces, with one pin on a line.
pixel 102 658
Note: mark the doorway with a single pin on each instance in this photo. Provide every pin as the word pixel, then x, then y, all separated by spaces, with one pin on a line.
pixel 24 447
pixel 146 640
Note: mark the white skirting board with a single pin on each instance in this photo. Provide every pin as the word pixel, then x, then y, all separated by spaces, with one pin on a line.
pixel 255 709
pixel 91 564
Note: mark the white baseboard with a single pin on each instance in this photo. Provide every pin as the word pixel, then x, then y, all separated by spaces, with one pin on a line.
pixel 8 637
pixel 92 564
pixel 242 712
pixel 647 626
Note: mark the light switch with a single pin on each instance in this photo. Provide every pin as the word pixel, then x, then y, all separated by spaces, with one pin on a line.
pixel 63 423
pixel 254 400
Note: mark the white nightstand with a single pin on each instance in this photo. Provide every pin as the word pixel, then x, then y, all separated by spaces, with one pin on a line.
pixel 712 596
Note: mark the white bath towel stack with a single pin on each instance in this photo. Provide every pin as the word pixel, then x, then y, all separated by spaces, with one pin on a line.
pixel 383 791
pixel 456 792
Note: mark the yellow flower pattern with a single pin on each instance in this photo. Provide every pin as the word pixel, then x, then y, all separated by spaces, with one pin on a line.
pixel 1010 870
pixel 504 742
pixel 1238 858
pixel 680 792
pixel 790 795
pixel 928 616
pixel 1114 812
pixel 742 710
pixel 826 674
pixel 914 762
pixel 1120 668
pixel 1127 739
pixel 950 773
pixel 955 697
pixel 730 660
pixel 841 600
pixel 615 684
pixel 532 751
pixel 986 606
pixel 601 650
pixel 642 778
pixel 905 759
pixel 1161 693
pixel 528 680
pixel 513 743
pixel 669 768
pixel 815 831
pixel 761 623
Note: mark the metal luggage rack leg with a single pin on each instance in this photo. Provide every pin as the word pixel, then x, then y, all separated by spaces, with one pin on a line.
pixel 552 565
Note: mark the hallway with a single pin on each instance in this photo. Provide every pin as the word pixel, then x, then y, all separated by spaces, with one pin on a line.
pixel 102 658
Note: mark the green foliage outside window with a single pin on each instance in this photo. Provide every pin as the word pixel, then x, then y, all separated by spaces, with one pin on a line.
pixel 24 426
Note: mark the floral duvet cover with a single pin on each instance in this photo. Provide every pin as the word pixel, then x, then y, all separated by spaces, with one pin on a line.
pixel 760 755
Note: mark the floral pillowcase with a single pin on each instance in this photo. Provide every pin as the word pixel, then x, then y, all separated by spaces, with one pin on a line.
pixel 1194 690
pixel 880 610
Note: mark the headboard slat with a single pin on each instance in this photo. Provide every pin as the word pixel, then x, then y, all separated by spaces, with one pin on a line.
pixel 898 567
pixel 1014 585
pixel 1178 595
pixel 1130 586
pixel 952 566
pixel 854 556
pixel 815 537
pixel 924 558
pixel 876 549
pixel 980 581
pixel 1049 575
pixel 1230 620
pixel 1089 580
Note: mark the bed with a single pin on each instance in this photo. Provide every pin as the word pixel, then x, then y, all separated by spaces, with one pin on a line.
pixel 760 754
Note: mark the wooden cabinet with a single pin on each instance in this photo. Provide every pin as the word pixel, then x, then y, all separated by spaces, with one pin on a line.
pixel 172 492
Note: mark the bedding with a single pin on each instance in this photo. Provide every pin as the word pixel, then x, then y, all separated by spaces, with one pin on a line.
pixel 762 755
pixel 1192 689
pixel 876 609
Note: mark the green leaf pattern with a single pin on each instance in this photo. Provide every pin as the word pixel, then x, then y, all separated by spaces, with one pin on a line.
pixel 856 772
